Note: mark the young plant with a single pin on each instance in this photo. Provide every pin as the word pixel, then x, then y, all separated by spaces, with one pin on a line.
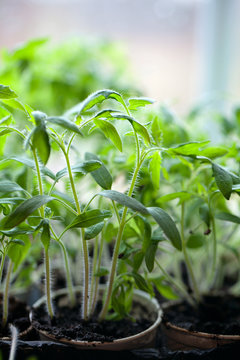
pixel 43 136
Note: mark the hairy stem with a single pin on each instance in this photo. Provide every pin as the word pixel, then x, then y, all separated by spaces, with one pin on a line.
pixel 187 260
pixel 84 243
pixel 5 295
pixel 117 247
pixel 95 291
pixel 48 285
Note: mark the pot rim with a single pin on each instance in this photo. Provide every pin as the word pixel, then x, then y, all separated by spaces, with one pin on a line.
pixel 180 329
pixel 138 293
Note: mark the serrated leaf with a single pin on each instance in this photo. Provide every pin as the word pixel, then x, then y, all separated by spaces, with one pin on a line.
pixel 93 231
pixel 89 218
pixel 228 217
pixel 156 131
pixel 137 126
pixel 102 176
pixel 154 168
pixel 124 200
pixel 65 123
pixel 188 149
pixel 167 225
pixel 25 209
pixel 110 132
pixel 7 93
pixel 97 98
pixel 195 241
pixel 135 103
pixel 223 180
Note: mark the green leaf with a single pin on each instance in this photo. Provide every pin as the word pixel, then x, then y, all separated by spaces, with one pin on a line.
pixel 137 126
pixel 40 141
pixel 181 195
pixel 7 93
pixel 89 218
pixel 93 231
pixel 188 149
pixel 228 217
pixel 140 282
pixel 102 176
pixel 98 97
pixel 18 251
pixel 9 187
pixel 45 235
pixel 124 200
pixel 154 168
pixel 135 103
pixel 65 123
pixel 214 152
pixel 164 290
pixel 11 104
pixel 156 131
pixel 150 255
pixel 167 225
pixel 102 272
pixel 223 180
pixel 13 200
pixel 18 230
pixel 110 132
pixel 204 214
pixel 81 168
pixel 24 210
pixel 30 163
pixel 195 241
pixel 137 260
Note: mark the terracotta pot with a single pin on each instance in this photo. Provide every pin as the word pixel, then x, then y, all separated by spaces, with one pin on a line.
pixel 178 338
pixel 144 339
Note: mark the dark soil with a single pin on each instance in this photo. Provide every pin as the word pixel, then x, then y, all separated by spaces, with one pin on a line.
pixel 215 315
pixel 69 324
pixel 18 316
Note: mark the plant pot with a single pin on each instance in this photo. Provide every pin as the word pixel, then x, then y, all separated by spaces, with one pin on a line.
pixel 145 338
pixel 180 338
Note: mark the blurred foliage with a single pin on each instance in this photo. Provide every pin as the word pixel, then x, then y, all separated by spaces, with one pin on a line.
pixel 53 77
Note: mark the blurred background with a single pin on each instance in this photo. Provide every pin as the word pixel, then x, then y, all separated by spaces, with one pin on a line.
pixel 176 51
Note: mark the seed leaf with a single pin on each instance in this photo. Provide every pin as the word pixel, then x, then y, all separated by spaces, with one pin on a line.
pixel 223 180
pixel 167 225
pixel 24 210
pixel 9 186
pixel 89 218
pixel 150 255
pixel 102 176
pixel 124 200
